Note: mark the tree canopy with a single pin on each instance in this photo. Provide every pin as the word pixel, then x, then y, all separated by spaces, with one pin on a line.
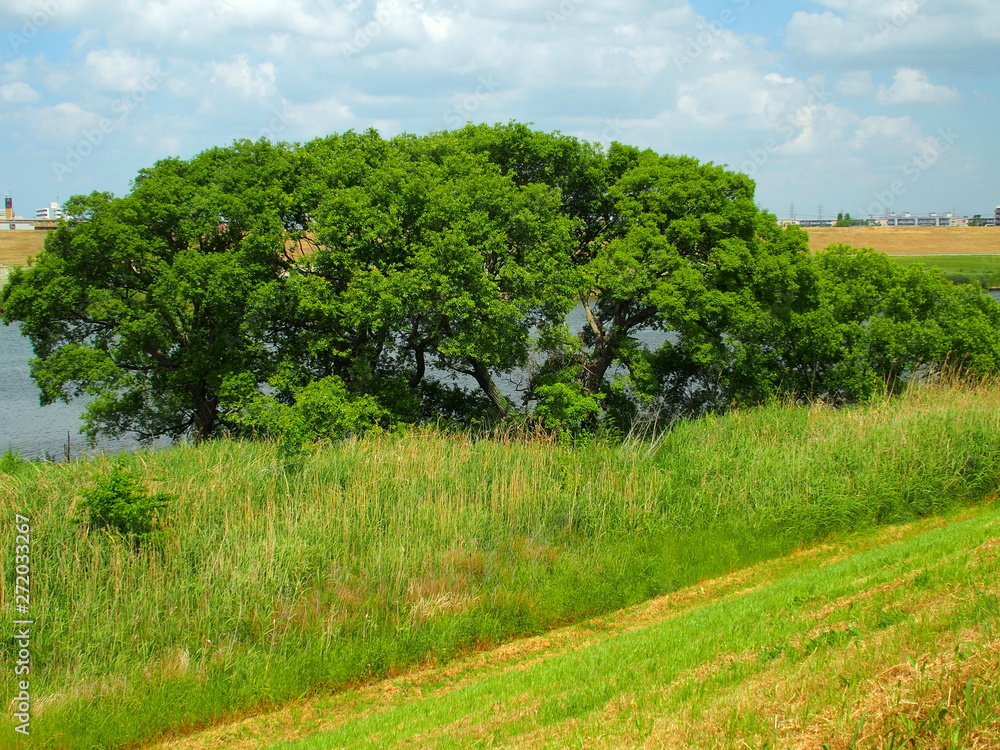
pixel 355 280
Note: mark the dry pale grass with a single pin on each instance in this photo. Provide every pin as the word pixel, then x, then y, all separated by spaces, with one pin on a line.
pixel 17 246
pixel 911 240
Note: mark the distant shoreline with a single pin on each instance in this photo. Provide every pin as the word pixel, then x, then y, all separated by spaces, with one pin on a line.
pixel 17 247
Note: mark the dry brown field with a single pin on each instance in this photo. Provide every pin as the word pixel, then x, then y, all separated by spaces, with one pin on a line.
pixel 911 240
pixel 16 246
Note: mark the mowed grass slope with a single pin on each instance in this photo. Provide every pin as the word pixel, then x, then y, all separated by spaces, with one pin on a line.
pixel 396 550
pixel 883 640
pixel 910 240
pixel 17 246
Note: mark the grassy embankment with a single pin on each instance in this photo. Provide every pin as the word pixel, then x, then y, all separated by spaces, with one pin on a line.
pixel 886 639
pixel 964 254
pixel 911 240
pixel 976 269
pixel 17 246
pixel 395 550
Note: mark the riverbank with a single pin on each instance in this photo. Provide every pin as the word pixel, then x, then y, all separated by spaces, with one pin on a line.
pixel 910 240
pixel 983 270
pixel 17 246
pixel 388 551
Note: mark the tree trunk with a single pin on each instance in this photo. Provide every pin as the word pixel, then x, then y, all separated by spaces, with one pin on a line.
pixel 206 413
pixel 493 393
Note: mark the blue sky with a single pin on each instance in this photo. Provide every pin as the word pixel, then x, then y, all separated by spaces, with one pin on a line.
pixel 834 105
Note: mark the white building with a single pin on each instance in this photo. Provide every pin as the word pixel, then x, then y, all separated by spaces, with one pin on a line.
pixel 17 224
pixel 53 211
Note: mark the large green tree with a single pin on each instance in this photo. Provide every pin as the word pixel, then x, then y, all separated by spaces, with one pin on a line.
pixel 140 302
pixel 429 263
pixel 660 242
pixel 356 279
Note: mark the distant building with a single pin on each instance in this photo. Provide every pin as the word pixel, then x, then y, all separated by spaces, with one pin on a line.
pixel 807 222
pixel 15 224
pixel 931 220
pixel 52 211
pixel 906 219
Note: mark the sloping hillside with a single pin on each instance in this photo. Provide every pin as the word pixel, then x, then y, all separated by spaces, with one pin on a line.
pixel 885 640
pixel 911 240
pixel 17 246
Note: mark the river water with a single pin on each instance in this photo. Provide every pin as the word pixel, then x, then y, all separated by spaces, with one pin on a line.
pixel 39 432
pixel 32 430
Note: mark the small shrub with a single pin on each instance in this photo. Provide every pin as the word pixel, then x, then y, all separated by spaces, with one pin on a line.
pixel 11 462
pixel 120 502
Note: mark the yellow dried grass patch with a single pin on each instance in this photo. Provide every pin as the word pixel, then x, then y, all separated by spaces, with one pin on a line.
pixel 911 240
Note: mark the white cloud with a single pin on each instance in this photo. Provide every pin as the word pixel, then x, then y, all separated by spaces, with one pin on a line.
pixel 911 86
pixel 654 73
pixel 14 70
pixel 118 70
pixel 900 133
pixel 954 33
pixel 63 122
pixel 437 27
pixel 17 93
pixel 252 81
pixel 316 119
pixel 855 83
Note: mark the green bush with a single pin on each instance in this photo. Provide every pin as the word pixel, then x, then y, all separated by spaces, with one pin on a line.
pixel 121 503
pixel 11 462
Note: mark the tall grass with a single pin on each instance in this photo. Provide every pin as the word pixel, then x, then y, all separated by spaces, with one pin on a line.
pixel 393 549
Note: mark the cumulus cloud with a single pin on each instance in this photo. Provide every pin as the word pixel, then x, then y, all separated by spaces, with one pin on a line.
pixel 954 33
pixel 855 83
pixel 911 86
pixel 17 93
pixel 63 122
pixel 118 70
pixel 655 73
pixel 249 80
pixel 901 133
pixel 314 119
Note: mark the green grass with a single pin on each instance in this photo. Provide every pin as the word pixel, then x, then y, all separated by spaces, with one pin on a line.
pixel 978 269
pixel 869 643
pixel 387 551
